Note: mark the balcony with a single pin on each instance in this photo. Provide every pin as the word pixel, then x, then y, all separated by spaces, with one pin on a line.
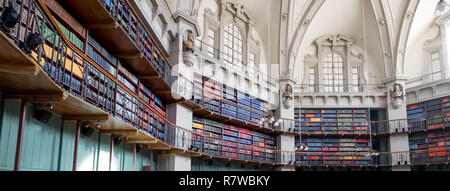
pixel 56 73
pixel 117 26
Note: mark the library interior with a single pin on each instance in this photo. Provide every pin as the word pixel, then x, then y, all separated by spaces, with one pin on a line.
pixel 224 85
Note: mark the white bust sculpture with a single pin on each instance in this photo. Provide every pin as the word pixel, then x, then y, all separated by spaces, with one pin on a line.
pixel 397 96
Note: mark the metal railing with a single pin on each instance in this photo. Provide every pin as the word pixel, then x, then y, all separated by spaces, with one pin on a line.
pixel 131 24
pixel 79 75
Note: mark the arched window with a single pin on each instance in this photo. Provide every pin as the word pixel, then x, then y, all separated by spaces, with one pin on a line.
pixel 333 73
pixel 233 46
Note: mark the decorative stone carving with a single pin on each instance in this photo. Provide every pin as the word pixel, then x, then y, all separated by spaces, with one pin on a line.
pixel 188 50
pixel 189 43
pixel 287 96
pixel 397 95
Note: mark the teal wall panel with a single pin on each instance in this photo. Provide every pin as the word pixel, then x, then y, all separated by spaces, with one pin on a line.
pixel 122 158
pixel 127 157
pixel 68 146
pixel 142 159
pixel 103 156
pixel 41 143
pixel 88 152
pixel 117 160
pixel 8 138
pixel 155 156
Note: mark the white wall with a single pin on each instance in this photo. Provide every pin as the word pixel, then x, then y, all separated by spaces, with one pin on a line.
pixel 344 17
pixel 423 28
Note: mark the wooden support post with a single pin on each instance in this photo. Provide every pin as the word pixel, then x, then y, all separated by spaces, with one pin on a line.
pixel 23 112
pixel 75 152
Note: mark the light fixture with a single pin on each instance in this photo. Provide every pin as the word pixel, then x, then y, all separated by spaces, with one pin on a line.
pixel 50 105
pixel 441 8
pixel 86 130
pixel 9 17
pixel 117 140
pixel 98 125
pixel 43 115
pixel 138 148
pixel 32 41
pixel 301 147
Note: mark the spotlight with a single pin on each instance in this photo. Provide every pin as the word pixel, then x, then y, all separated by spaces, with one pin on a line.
pixel 86 130
pixel 9 17
pixel 98 125
pixel 117 140
pixel 32 41
pixel 43 115
pixel 228 164
pixel 50 105
pixel 138 148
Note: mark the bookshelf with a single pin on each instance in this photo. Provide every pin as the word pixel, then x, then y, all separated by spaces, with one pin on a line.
pixel 238 143
pixel 432 145
pixel 227 101
pixel 333 136
pixel 334 151
pixel 332 121
pixel 433 114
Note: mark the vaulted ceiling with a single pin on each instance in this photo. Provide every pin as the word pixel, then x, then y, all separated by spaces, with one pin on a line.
pixel 288 28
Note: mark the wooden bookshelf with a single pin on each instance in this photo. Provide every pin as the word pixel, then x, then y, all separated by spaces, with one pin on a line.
pixel 238 143
pixel 332 121
pixel 430 139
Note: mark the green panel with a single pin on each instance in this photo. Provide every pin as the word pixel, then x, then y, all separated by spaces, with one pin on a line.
pixel 123 158
pixel 195 164
pixel 127 164
pixel 142 159
pixel 155 156
pixel 41 142
pixel 117 160
pixel 68 146
pixel 103 159
pixel 88 152
pixel 8 138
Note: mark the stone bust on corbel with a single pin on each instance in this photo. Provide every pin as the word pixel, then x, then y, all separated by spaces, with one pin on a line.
pixel 397 96
pixel 188 50
pixel 287 96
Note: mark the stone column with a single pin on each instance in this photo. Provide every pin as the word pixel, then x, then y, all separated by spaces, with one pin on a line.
pixel 397 110
pixel 182 59
pixel 286 142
